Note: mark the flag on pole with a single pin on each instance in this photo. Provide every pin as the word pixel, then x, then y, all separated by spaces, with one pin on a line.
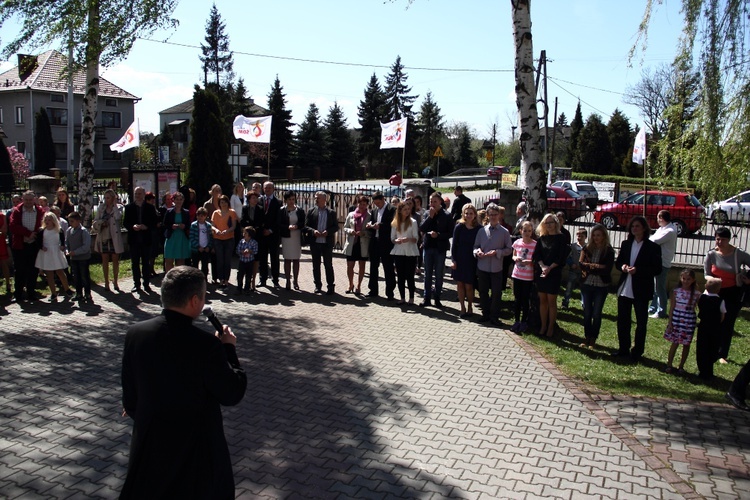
pixel 393 134
pixel 253 129
pixel 639 148
pixel 131 139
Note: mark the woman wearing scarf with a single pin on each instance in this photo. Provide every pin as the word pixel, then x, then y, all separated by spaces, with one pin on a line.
pixel 357 243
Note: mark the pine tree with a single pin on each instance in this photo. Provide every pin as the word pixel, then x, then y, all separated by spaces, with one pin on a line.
pixel 575 131
pixel 208 151
pixel 619 133
pixel 339 143
pixel 310 141
pixel 216 58
pixel 430 123
pixel 281 127
pixel 370 113
pixel 593 153
pixel 398 104
pixel 44 145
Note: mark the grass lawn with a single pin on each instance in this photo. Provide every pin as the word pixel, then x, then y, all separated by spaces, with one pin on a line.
pixel 599 372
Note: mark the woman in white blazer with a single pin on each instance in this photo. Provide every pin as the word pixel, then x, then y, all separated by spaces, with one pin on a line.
pixel 405 235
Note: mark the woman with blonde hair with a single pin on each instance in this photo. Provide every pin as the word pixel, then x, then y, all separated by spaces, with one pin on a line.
pixel 108 242
pixel 404 235
pixel 464 264
pixel 549 258
pixel 51 256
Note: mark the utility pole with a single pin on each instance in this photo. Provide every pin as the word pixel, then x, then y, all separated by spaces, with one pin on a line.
pixel 542 70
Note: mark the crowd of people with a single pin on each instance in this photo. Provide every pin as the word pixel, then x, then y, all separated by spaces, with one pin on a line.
pixel 254 230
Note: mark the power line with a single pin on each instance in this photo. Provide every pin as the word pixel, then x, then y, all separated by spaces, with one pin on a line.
pixel 339 63
pixel 586 86
pixel 579 98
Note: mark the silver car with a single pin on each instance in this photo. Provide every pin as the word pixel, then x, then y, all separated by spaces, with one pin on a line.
pixel 736 209
pixel 583 188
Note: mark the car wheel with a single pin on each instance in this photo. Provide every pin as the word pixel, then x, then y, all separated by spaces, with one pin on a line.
pixel 609 221
pixel 720 217
pixel 682 229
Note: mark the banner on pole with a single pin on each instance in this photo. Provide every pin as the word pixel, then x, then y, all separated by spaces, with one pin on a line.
pixel 252 129
pixel 131 139
pixel 393 134
pixel 639 148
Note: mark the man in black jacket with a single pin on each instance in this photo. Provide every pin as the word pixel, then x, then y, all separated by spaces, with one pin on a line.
pixel 322 224
pixel 268 238
pixel 640 262
pixel 458 203
pixel 139 219
pixel 174 379
pixel 437 228
pixel 379 225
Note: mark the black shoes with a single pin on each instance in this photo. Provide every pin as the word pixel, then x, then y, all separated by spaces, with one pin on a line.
pixel 424 303
pixel 736 402
pixel 438 304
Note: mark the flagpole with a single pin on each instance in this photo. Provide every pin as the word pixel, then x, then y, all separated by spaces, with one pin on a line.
pixel 403 155
pixel 645 189
pixel 269 160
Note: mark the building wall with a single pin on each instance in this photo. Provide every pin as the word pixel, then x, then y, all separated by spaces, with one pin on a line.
pixel 32 101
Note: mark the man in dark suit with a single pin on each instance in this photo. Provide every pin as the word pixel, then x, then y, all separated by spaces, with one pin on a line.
pixel 174 377
pixel 139 219
pixel 379 225
pixel 640 262
pixel 269 241
pixel 322 223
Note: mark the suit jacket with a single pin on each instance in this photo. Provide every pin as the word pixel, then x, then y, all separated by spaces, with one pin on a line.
pixel 16 227
pixel 647 267
pixel 150 219
pixel 383 240
pixel 283 219
pixel 270 216
pixel 169 220
pixel 332 224
pixel 174 379
pixel 256 221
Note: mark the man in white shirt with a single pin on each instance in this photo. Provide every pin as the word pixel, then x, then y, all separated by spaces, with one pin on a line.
pixel 666 238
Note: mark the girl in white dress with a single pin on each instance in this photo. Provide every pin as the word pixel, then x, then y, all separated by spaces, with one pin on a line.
pixel 51 257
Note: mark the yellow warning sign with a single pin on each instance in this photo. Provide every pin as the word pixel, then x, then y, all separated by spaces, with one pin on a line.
pixel 438 153
pixel 488 155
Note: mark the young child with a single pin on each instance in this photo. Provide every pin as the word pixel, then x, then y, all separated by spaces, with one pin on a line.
pixel 574 269
pixel 247 248
pixel 711 312
pixel 682 319
pixel 523 275
pixel 201 240
pixel 78 244
pixel 51 256
pixel 44 203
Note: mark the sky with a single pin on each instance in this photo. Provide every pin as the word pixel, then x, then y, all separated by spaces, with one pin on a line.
pixel 587 44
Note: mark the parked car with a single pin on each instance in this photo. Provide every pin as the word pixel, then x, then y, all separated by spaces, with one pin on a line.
pixel 584 188
pixel 570 203
pixel 734 210
pixel 497 171
pixel 685 209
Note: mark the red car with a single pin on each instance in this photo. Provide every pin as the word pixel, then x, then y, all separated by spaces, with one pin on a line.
pixel 567 201
pixel 497 171
pixel 685 209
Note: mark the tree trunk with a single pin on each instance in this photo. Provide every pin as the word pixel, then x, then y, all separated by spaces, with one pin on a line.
pixel 532 170
pixel 88 126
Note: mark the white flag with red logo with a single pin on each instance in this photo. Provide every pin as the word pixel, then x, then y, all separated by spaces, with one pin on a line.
pixel 131 139
pixel 393 134
pixel 639 148
pixel 253 129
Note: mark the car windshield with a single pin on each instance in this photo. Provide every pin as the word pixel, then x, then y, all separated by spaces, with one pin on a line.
pixel 587 189
pixel 572 193
pixel 692 200
pixel 634 199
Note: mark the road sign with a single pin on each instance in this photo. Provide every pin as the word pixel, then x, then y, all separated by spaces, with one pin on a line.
pixel 438 153
pixel 488 155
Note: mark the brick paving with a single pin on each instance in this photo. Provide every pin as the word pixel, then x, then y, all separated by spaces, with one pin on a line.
pixel 354 398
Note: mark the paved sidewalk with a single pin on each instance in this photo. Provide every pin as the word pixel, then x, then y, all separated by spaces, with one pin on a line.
pixel 353 398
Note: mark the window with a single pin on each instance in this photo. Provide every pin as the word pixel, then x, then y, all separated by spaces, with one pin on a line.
pixel 21 147
pixel 19 115
pixel 57 97
pixel 1 115
pixel 61 151
pixel 110 102
pixel 111 119
pixel 108 154
pixel 57 116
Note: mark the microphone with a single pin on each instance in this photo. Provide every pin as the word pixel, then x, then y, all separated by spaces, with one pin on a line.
pixel 209 313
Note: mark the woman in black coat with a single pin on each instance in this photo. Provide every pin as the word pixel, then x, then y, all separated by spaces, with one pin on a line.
pixel 640 262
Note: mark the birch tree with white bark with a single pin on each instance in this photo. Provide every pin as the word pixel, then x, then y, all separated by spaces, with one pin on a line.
pixel 102 32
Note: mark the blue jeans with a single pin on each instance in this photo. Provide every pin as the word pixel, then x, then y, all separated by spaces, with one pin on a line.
pixel 434 265
pixel 659 303
pixel 593 303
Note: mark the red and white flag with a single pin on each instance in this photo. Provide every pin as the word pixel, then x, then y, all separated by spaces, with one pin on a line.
pixel 253 129
pixel 393 134
pixel 639 148
pixel 131 139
